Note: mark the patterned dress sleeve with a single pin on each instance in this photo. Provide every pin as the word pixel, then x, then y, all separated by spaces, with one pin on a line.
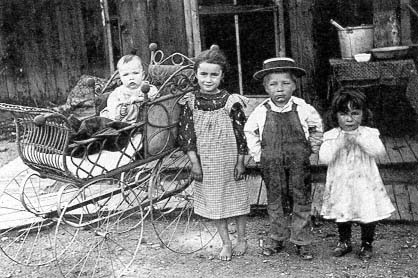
pixel 186 135
pixel 238 121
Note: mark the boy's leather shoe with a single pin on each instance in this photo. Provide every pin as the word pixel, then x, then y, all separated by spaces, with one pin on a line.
pixel 304 252
pixel 342 249
pixel 272 247
pixel 366 252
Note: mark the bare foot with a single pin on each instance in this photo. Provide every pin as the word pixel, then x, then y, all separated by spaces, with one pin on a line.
pixel 240 248
pixel 226 252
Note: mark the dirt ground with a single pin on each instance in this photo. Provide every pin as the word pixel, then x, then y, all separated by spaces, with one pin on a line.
pixel 396 253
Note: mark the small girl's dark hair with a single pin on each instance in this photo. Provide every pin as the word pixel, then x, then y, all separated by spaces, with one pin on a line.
pixel 346 98
pixel 213 56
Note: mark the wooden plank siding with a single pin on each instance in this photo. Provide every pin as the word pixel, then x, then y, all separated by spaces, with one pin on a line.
pixel 134 27
pixel 168 25
pixel 46 46
pixel 303 46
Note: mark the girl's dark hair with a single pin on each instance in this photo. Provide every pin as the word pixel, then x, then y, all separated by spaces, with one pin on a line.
pixel 213 56
pixel 346 98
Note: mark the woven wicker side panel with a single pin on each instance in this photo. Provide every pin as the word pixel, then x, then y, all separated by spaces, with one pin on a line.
pixel 42 144
pixel 163 115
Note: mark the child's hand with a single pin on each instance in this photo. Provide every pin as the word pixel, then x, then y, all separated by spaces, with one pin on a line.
pixel 239 171
pixel 315 148
pixel 123 110
pixel 136 100
pixel 351 137
pixel 197 173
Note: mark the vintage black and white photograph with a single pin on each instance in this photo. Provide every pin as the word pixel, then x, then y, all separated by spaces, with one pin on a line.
pixel 208 138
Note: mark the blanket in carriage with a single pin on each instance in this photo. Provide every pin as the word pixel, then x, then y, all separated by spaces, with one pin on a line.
pixel 111 135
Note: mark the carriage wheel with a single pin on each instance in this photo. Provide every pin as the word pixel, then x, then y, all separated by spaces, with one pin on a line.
pixel 109 226
pixel 24 238
pixel 174 222
pixel 139 176
pixel 38 195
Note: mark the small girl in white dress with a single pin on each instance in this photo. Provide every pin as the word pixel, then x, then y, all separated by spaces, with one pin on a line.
pixel 354 191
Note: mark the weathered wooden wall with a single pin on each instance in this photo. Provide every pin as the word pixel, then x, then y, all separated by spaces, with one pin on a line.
pixel 45 46
pixel 133 17
pixel 168 25
pixel 301 43
pixel 144 22
pixel 386 20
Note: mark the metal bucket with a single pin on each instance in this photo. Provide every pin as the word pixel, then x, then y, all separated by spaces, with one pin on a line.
pixel 354 40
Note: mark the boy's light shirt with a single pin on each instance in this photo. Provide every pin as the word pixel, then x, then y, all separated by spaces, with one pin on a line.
pixel 254 127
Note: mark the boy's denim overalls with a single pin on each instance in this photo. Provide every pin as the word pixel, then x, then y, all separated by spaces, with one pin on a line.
pixel 286 173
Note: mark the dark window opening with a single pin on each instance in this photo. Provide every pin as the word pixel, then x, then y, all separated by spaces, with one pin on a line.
pixel 257 42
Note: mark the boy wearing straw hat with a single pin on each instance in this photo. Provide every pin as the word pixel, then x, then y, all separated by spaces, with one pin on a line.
pixel 281 134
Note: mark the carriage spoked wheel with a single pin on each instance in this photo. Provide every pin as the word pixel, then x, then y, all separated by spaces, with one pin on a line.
pixel 108 220
pixel 138 180
pixel 171 198
pixel 38 195
pixel 24 238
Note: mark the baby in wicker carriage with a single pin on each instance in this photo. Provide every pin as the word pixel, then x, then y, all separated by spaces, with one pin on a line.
pixel 123 109
pixel 123 104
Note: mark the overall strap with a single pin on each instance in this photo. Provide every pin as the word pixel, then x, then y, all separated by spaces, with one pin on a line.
pixel 267 105
pixel 294 106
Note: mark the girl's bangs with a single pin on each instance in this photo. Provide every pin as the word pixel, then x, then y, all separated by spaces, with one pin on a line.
pixel 348 103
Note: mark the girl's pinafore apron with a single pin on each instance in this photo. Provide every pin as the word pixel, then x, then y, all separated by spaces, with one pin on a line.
pixel 218 196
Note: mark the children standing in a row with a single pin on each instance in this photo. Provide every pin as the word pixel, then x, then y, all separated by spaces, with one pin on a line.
pixel 211 132
pixel 281 133
pixel 354 191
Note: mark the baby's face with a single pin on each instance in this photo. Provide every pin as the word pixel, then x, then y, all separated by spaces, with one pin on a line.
pixel 280 87
pixel 131 74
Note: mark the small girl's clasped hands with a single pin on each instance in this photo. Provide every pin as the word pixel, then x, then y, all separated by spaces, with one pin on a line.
pixel 354 191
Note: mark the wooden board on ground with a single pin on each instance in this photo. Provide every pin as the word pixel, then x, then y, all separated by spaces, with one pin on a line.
pixel 404 149
pixel 385 158
pixel 395 215
pixel 413 197
pixel 402 201
pixel 413 145
pixel 317 193
pixel 257 191
pixel 393 153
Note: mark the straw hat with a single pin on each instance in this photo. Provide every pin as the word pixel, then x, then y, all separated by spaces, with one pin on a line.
pixel 279 64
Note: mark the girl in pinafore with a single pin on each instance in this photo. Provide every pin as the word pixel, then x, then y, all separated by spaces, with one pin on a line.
pixel 354 191
pixel 211 131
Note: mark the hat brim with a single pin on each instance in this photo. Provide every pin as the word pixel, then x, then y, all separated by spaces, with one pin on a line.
pixel 295 70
